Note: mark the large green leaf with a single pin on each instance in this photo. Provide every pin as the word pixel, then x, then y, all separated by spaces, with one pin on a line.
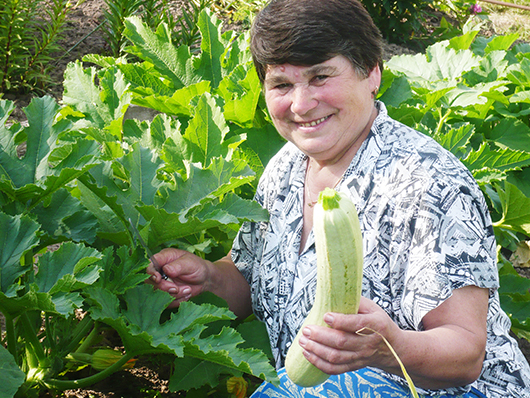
pixel 167 227
pixel 519 73
pixel 190 373
pixel 18 235
pixel 48 163
pixel 81 92
pixel 241 91
pixel 103 207
pixel 511 133
pixel 206 184
pixel 31 300
pixel 41 137
pixel 12 376
pixel 209 65
pixel 518 310
pixel 69 268
pixel 157 48
pixel 521 179
pixel 502 159
pixel 6 108
pixel 492 67
pixel 103 106
pixel 223 350
pixel 456 140
pixel 206 131
pixel 64 217
pixel 515 209
pixel 145 80
pixel 463 96
pixel 106 308
pixel 131 179
pixel 124 274
pixel 178 104
pixel 142 330
pixel 440 62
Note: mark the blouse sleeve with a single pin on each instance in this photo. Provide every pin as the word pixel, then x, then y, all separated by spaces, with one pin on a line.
pixel 452 246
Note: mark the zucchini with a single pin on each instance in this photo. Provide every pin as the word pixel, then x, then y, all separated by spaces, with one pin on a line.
pixel 339 251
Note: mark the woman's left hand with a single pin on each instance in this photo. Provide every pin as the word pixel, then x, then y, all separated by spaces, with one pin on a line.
pixel 448 352
pixel 351 343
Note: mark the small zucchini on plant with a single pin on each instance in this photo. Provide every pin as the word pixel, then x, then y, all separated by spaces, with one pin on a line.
pixel 339 251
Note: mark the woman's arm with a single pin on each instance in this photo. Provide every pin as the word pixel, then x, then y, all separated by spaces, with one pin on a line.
pixel 448 353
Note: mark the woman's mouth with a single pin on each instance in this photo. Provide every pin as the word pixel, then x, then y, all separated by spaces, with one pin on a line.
pixel 314 122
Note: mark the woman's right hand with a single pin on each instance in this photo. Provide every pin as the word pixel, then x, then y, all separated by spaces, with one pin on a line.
pixel 187 274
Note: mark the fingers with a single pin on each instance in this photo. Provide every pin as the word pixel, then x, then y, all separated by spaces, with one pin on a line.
pixel 350 342
pixel 336 351
pixel 186 274
pixel 156 277
pixel 168 255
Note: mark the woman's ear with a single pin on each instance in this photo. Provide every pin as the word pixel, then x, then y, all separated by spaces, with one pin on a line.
pixel 374 80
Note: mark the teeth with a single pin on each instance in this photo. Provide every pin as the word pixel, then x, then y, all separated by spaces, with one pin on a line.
pixel 314 122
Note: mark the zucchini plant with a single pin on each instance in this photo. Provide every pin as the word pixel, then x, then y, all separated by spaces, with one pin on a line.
pixel 71 180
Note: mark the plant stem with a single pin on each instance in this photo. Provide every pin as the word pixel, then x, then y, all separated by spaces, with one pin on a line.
pixel 87 381
pixel 442 120
pixel 81 330
pixel 500 224
pixel 10 335
pixel 31 337
pixel 50 332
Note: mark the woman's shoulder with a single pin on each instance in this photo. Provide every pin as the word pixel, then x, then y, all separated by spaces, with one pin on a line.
pixel 421 154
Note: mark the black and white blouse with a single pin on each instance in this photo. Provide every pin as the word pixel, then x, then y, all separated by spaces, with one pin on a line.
pixel 426 231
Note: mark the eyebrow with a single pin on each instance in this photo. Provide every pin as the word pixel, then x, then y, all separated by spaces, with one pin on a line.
pixel 313 70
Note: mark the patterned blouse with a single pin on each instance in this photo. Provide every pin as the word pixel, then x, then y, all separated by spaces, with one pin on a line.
pixel 426 231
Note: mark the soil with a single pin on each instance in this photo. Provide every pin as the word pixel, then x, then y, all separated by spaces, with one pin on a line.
pixel 149 377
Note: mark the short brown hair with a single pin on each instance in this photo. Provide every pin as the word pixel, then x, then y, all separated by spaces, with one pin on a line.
pixel 309 32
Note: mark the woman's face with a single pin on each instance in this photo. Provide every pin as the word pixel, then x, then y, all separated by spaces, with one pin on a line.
pixel 326 109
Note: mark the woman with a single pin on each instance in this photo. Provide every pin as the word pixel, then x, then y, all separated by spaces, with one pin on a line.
pixel 430 275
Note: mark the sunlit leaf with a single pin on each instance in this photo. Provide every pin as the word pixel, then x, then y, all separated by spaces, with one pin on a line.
pixel 515 209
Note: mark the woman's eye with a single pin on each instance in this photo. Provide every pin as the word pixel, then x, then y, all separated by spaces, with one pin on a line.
pixel 282 86
pixel 320 78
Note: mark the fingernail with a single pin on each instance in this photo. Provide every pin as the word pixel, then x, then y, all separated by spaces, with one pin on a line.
pixel 186 291
pixel 306 332
pixel 153 278
pixel 302 341
pixel 328 318
pixel 172 290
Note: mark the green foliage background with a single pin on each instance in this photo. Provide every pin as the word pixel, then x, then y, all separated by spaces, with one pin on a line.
pixel 184 179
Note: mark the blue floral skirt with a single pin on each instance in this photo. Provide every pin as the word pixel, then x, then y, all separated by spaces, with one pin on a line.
pixel 364 383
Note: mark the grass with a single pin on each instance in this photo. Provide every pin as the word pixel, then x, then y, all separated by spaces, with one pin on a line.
pixel 507 20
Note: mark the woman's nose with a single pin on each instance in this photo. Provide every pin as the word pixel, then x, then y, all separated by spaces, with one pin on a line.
pixel 302 99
